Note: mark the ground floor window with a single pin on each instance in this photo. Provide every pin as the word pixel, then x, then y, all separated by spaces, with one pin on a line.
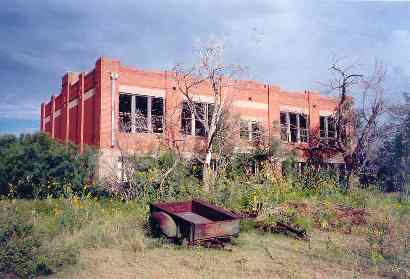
pixel 250 130
pixel 141 114
pixel 294 127
pixel 327 129
pixel 196 118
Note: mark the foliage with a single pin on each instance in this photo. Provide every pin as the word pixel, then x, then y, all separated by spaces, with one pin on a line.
pixel 34 165
pixel 21 250
pixel 40 236
pixel 319 181
pixel 152 179
pixel 393 162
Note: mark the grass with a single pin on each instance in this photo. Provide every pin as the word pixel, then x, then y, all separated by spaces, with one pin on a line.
pixel 253 255
pixel 88 238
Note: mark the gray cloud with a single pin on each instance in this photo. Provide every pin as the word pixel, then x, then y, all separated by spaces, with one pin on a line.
pixel 287 43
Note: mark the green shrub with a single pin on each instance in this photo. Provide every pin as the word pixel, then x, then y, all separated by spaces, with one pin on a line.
pixel 21 251
pixel 34 165
pixel 153 179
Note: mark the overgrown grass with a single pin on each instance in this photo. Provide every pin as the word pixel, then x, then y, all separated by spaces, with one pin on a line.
pixel 61 228
pixel 51 232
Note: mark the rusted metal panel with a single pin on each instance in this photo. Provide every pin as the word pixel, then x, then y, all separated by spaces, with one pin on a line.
pixel 193 218
pixel 216 229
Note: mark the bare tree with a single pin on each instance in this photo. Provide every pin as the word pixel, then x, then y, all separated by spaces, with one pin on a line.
pixel 356 127
pixel 210 73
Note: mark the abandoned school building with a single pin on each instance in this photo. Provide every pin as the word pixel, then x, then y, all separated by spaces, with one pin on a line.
pixel 96 108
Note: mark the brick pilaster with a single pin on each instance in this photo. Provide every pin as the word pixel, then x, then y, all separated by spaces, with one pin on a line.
pixel 53 108
pixel 66 111
pixel 80 122
pixel 42 118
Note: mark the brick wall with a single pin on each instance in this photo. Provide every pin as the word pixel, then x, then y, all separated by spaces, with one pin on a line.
pixel 81 112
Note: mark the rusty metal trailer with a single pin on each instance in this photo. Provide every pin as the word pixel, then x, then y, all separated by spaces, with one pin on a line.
pixel 193 221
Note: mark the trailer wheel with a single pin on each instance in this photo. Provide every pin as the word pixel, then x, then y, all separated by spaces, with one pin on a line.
pixel 162 223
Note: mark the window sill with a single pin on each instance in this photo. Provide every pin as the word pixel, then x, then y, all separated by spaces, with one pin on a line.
pixel 295 143
pixel 194 136
pixel 141 133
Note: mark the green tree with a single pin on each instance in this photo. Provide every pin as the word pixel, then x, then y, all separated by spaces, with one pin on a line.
pixel 33 165
pixel 394 156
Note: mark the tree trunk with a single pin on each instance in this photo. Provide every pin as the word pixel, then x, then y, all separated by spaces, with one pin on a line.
pixel 349 171
pixel 207 171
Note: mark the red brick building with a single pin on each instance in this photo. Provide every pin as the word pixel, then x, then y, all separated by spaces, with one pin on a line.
pixel 92 109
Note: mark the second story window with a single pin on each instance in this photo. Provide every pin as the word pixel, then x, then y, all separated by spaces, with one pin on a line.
pixel 195 120
pixel 141 114
pixel 327 129
pixel 250 130
pixel 294 127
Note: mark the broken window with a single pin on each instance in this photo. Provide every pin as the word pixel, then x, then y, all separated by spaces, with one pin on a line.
pixel 157 115
pixel 250 130
pixel 331 127
pixel 186 119
pixel 294 127
pixel 140 123
pixel 125 113
pixel 303 128
pixel 195 122
pixel 244 129
pixel 327 129
pixel 200 118
pixel 284 124
pixel 139 114
pixel 256 130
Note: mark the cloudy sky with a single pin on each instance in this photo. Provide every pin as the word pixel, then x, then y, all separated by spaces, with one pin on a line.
pixel 287 43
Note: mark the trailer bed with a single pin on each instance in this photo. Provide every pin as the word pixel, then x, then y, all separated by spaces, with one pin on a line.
pixel 194 220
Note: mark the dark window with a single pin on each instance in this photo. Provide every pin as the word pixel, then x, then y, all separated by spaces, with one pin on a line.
pixel 294 127
pixel 125 103
pixel 256 130
pixel 250 130
pixel 323 127
pixel 186 119
pixel 244 129
pixel 141 105
pixel 125 113
pixel 331 127
pixel 200 118
pixel 284 126
pixel 141 113
pixel 304 127
pixel 327 129
pixel 157 115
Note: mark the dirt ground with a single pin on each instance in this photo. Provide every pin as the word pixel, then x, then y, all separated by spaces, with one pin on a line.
pixel 252 255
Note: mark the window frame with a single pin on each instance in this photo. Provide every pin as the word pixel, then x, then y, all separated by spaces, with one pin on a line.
pixel 193 130
pixel 325 129
pixel 249 133
pixel 289 131
pixel 148 117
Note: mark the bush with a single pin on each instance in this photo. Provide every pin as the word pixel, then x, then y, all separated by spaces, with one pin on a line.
pixel 21 250
pixel 35 166
pixel 156 179
pixel 316 181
